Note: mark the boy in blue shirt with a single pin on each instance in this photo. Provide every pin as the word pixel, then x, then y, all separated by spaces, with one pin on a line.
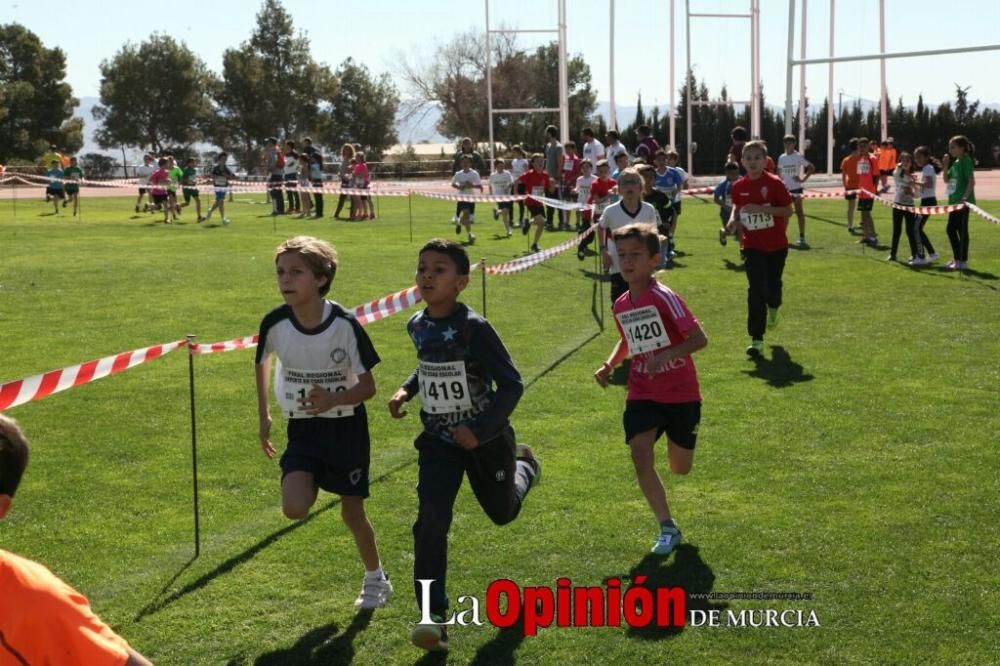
pixel 723 196
pixel 468 388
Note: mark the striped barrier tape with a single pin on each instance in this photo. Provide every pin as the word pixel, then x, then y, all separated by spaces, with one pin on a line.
pixel 524 263
pixel 919 210
pixel 472 198
pixel 982 213
pixel 246 342
pixel 21 391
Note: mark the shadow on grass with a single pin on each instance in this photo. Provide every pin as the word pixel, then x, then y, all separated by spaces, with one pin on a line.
pixel 158 604
pixel 780 371
pixel 836 223
pixel 320 646
pixel 731 265
pixel 688 571
pixel 500 649
pixel 559 361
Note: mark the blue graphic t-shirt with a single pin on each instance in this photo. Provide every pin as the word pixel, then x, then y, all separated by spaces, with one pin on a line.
pixel 465 374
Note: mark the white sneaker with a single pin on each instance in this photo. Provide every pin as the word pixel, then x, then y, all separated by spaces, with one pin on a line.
pixel 375 593
pixel 669 539
pixel 917 261
pixel 225 221
pixel 525 453
pixel 932 257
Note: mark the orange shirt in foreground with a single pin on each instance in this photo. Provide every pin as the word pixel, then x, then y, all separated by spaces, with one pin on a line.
pixel 45 621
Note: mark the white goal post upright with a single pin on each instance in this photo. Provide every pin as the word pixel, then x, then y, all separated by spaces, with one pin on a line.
pixel 881 56
pixel 562 109
pixel 753 104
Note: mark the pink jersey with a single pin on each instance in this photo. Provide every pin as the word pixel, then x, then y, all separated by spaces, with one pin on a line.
pixel 361 178
pixel 658 318
pixel 158 180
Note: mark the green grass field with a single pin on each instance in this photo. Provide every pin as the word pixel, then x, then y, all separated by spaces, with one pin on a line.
pixel 858 463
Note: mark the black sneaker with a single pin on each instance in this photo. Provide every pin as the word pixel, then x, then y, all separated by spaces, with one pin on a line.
pixel 534 247
pixel 525 227
pixel 722 236
pixel 458 228
pixel 581 255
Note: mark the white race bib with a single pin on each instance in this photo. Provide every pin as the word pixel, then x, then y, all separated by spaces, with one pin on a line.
pixel 583 193
pixel 790 170
pixel 538 191
pixel 754 221
pixel 644 330
pixel 500 186
pixel 444 387
pixel 864 167
pixel 291 385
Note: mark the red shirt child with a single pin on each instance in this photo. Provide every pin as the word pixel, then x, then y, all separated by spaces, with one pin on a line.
pixel 536 184
pixel 761 231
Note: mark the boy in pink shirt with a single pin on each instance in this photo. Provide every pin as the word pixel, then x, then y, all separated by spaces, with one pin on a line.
pixel 158 181
pixel 658 331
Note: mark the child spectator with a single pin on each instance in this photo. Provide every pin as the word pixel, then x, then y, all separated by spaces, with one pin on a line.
pixel 658 331
pixel 518 167
pixel 960 181
pixel 903 182
pixel 44 620
pixel 886 162
pixel 501 182
pixel 849 178
pixel 582 191
pixel 323 378
pixel 929 168
pixel 346 179
pixel 601 195
pixel 316 179
pixel 468 389
pixel 621 163
pixel 795 170
pixel 276 175
pixel 761 206
pixel 291 178
pixel 362 180
pixel 569 171
pixel 465 181
pixel 220 180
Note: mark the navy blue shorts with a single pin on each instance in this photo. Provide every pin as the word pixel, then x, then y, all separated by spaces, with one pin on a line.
pixel 865 204
pixel 336 452
pixel 678 420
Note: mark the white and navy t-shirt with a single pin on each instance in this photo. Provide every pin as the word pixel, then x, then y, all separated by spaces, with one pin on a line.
pixel 331 355
pixel 467 181
pixel 616 216
pixel 501 183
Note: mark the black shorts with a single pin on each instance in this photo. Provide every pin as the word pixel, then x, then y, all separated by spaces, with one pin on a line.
pixel 678 420
pixel 885 172
pixel 335 451
pixel 851 196
pixel 536 210
pixel 519 188
pixel 463 206
pixel 142 190
pixel 506 205
pixel 72 189
pixel 865 205
pixel 55 192
pixel 190 192
pixel 797 192
pixel 677 209
pixel 159 198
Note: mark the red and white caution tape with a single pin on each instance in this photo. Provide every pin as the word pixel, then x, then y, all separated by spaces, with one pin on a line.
pixel 21 391
pixel 387 305
pixel 472 198
pixel 524 263
pixel 246 342
pixel 982 213
pixel 919 210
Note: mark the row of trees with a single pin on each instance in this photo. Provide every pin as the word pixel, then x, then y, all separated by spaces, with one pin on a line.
pixel 909 126
pixel 160 95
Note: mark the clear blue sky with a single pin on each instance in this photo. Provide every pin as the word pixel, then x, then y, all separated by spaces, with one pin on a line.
pixel 379 32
